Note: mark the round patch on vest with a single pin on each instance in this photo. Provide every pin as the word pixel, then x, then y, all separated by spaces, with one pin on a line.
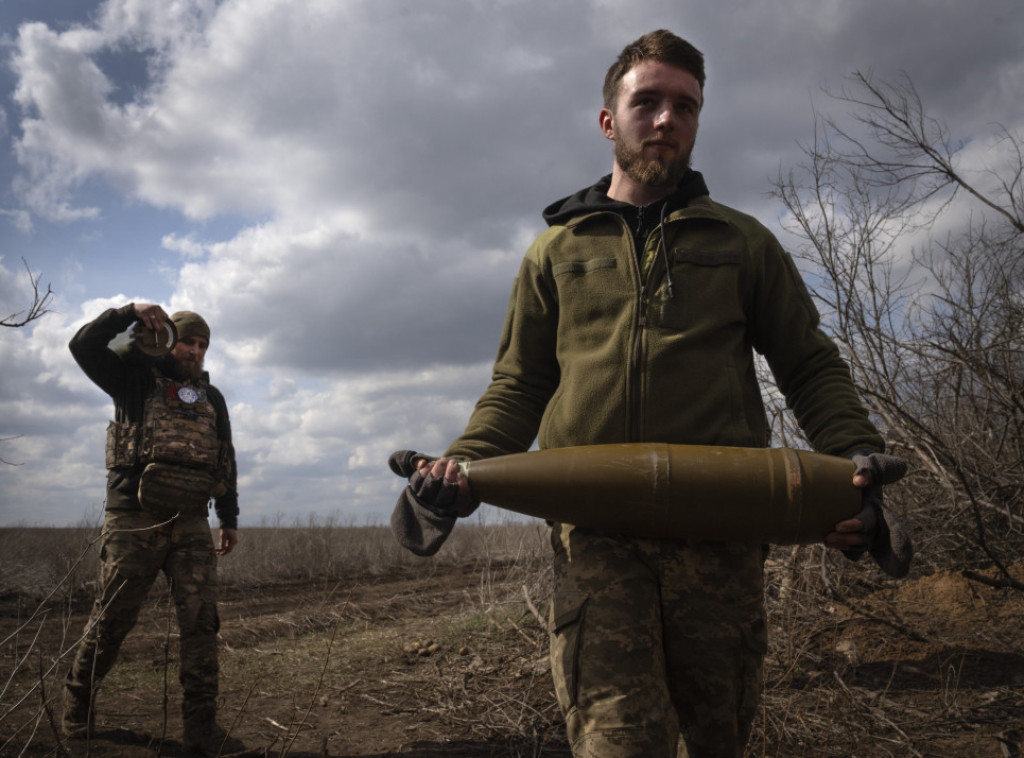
pixel 187 395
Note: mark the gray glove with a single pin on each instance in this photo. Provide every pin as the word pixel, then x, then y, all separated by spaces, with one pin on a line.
pixel 426 510
pixel 885 538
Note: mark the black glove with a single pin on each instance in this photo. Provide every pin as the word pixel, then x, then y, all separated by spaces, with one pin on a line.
pixel 426 510
pixel 884 537
pixel 436 494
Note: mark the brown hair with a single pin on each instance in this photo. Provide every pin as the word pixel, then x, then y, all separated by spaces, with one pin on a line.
pixel 662 46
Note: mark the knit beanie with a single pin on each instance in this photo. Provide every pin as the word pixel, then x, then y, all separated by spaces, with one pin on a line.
pixel 190 324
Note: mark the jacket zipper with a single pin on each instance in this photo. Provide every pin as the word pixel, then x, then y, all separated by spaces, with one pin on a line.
pixel 635 415
pixel 634 392
pixel 635 419
pixel 635 400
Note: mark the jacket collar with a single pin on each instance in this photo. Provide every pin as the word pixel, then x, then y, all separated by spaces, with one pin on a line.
pixel 595 199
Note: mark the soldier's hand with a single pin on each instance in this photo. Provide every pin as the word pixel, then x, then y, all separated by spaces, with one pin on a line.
pixel 879 532
pixel 228 540
pixel 151 316
pixel 454 493
pixel 437 484
pixel 847 535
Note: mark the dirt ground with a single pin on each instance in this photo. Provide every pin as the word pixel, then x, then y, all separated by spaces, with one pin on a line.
pixel 452 661
pixel 377 666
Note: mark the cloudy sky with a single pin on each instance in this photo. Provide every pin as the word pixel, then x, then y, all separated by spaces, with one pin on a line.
pixel 344 188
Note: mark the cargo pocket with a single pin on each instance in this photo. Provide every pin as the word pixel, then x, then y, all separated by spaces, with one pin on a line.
pixel 122 444
pixel 123 490
pixel 707 291
pixel 568 610
pixel 166 490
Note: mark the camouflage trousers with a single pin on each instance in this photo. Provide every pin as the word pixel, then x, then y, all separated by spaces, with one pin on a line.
pixel 657 646
pixel 135 547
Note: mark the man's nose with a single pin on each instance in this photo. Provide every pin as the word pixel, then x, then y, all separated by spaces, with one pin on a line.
pixel 664 118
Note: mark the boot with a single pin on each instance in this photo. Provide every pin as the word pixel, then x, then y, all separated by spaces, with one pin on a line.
pixel 79 719
pixel 202 737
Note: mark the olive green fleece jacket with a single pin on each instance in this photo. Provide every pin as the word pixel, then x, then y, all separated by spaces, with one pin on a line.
pixel 595 350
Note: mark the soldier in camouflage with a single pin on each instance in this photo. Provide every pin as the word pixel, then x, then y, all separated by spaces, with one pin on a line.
pixel 168 453
pixel 635 317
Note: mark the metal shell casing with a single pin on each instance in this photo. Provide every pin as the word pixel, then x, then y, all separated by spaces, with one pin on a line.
pixel 695 492
pixel 156 343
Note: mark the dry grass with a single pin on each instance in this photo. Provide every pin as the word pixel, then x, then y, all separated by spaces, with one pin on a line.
pixel 319 621
pixel 39 561
pixel 323 549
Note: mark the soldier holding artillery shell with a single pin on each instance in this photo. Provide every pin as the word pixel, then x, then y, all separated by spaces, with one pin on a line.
pixel 635 318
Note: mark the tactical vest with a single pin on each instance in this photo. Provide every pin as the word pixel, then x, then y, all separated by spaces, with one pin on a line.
pixel 177 444
pixel 179 426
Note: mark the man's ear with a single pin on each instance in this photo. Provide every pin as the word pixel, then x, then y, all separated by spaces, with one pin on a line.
pixel 607 124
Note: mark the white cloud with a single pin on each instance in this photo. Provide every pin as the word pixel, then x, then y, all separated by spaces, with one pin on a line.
pixel 345 190
pixel 336 437
pixel 323 299
pixel 261 107
pixel 187 246
pixel 20 219
pixel 162 26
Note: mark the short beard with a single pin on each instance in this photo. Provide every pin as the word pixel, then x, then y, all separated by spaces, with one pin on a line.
pixel 650 173
pixel 184 371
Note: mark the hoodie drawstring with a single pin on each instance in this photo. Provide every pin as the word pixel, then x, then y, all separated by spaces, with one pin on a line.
pixel 664 252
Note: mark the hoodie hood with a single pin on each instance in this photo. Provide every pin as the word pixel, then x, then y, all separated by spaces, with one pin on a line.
pixel 595 198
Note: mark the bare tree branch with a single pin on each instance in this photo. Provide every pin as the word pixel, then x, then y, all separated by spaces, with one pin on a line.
pixel 934 334
pixel 4 460
pixel 38 308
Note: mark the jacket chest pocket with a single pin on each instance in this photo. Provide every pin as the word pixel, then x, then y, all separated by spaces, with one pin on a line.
pixel 708 292
pixel 590 292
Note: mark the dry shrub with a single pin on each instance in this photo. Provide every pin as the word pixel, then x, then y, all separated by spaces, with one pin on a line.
pixel 48 568
pixel 326 549
pixel 38 561
pixel 857 664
